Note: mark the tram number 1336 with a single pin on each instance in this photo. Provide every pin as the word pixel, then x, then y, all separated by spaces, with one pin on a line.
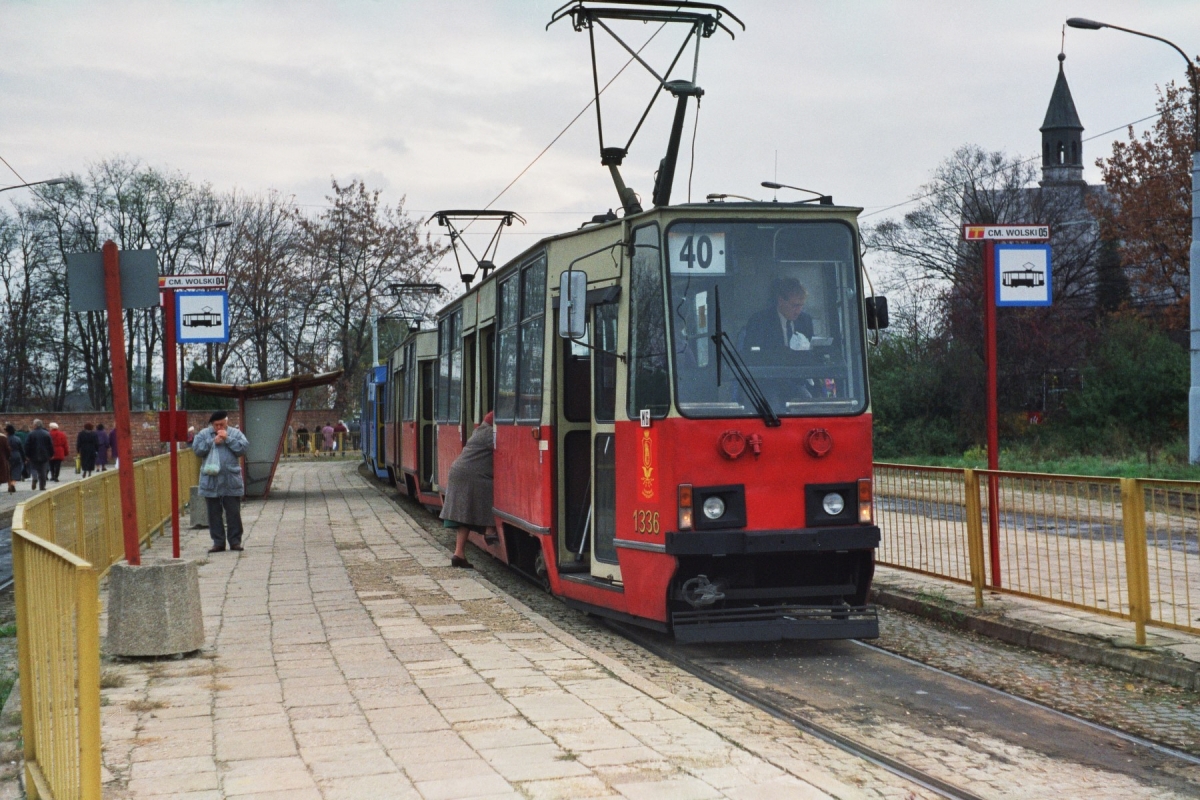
pixel 645 522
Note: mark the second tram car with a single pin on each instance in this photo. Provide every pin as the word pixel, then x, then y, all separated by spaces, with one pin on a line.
pixel 699 461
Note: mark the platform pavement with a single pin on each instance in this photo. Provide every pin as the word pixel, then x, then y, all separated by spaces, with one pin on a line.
pixel 344 658
pixel 9 501
pixel 1170 655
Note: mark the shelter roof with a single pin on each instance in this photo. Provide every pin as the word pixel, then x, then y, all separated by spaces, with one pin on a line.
pixel 263 388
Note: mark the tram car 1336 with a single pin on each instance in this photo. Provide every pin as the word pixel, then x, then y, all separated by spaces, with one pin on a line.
pixel 683 423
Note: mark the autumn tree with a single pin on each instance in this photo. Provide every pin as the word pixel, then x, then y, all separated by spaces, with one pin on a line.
pixel 938 280
pixel 1148 209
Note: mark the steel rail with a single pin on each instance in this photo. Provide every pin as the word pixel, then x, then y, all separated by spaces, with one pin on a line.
pixel 825 734
pixel 1128 737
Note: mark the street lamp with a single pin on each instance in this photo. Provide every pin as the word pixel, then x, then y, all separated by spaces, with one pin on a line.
pixel 49 182
pixel 1194 252
pixel 823 199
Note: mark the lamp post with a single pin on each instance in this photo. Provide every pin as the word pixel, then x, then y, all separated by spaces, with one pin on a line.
pixel 1194 252
pixel 823 199
pixel 171 379
pixel 48 182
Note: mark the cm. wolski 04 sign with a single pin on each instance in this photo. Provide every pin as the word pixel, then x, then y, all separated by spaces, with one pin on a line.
pixel 201 317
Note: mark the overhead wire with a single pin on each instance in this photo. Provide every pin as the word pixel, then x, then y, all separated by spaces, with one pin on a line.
pixel 963 185
pixel 561 133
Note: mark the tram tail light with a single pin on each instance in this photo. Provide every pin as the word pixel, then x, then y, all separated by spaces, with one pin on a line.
pixel 685 506
pixel 866 510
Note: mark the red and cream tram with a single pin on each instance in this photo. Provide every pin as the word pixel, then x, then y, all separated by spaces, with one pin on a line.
pixel 683 427
pixel 699 460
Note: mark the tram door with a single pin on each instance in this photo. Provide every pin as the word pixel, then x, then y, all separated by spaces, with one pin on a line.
pixel 468 387
pixel 427 457
pixel 586 473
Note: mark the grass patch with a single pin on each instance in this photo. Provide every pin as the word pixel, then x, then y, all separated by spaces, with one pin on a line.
pixel 8 631
pixel 6 686
pixel 142 706
pixel 1020 460
pixel 111 679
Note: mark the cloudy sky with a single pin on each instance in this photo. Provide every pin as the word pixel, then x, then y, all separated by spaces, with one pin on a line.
pixel 445 103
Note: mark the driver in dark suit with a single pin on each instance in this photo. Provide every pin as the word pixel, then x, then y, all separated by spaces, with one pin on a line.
pixel 782 327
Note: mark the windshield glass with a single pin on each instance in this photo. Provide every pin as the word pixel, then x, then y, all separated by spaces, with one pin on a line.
pixel 786 297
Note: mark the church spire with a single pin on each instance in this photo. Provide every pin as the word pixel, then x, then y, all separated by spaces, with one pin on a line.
pixel 1062 133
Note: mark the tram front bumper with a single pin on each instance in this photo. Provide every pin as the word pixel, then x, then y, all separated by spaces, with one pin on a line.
pixel 773 623
pixel 820 540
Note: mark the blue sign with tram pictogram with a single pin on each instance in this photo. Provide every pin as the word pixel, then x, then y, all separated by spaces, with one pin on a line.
pixel 201 317
pixel 1023 275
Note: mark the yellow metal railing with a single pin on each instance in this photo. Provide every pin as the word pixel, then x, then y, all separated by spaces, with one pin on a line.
pixel 63 541
pixel 344 445
pixel 1119 546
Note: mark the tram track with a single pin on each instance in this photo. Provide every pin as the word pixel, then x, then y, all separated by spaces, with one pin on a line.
pixel 853 696
pixel 1146 761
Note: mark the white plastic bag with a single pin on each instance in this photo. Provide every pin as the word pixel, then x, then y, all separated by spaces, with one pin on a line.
pixel 212 464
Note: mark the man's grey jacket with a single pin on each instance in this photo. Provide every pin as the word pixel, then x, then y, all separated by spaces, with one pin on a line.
pixel 229 482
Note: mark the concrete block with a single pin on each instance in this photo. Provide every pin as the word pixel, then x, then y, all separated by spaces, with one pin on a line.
pixel 197 509
pixel 154 609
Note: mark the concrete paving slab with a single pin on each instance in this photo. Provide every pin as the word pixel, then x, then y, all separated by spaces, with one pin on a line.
pixel 344 658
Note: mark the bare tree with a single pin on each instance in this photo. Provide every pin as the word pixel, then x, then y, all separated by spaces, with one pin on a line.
pixel 361 248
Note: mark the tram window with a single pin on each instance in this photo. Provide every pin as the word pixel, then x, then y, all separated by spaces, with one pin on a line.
pixel 445 328
pixel 410 384
pixel 789 305
pixel 648 380
pixel 506 351
pixel 606 361
pixel 454 383
pixel 533 340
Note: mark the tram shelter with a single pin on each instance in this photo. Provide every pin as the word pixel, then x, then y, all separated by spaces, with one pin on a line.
pixel 265 409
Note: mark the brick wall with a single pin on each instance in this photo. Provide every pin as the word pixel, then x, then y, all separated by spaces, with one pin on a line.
pixel 144 424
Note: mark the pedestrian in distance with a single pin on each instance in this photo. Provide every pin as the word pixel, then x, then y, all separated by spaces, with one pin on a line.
pixel 101 448
pixel 23 438
pixel 468 505
pixel 16 457
pixel 39 449
pixel 302 439
pixel 5 463
pixel 340 430
pixel 327 434
pixel 222 490
pixel 87 445
pixel 62 450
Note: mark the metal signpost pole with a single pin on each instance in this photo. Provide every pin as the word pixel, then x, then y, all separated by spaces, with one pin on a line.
pixel 170 369
pixel 120 388
pixel 993 433
pixel 988 235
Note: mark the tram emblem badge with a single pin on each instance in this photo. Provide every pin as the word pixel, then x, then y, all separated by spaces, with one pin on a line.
pixel 648 483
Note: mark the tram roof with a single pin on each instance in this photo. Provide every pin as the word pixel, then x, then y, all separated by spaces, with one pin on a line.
pixel 724 209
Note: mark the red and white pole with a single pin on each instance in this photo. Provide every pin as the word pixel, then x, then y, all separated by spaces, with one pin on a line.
pixel 170 377
pixel 993 435
pixel 120 387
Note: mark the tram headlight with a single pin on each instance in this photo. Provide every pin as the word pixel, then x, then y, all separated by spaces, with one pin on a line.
pixel 833 504
pixel 714 508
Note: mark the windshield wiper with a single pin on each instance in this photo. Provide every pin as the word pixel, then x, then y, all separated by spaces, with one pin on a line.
pixel 728 354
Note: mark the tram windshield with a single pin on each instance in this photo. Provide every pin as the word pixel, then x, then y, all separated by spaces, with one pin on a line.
pixel 784 297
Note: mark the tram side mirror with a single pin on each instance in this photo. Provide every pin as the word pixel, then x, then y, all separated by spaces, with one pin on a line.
pixel 877 313
pixel 572 304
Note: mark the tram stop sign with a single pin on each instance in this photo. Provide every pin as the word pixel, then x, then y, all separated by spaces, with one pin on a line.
pixel 1023 275
pixel 201 317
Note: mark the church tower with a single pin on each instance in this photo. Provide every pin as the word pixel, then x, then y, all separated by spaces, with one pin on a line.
pixel 1062 133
